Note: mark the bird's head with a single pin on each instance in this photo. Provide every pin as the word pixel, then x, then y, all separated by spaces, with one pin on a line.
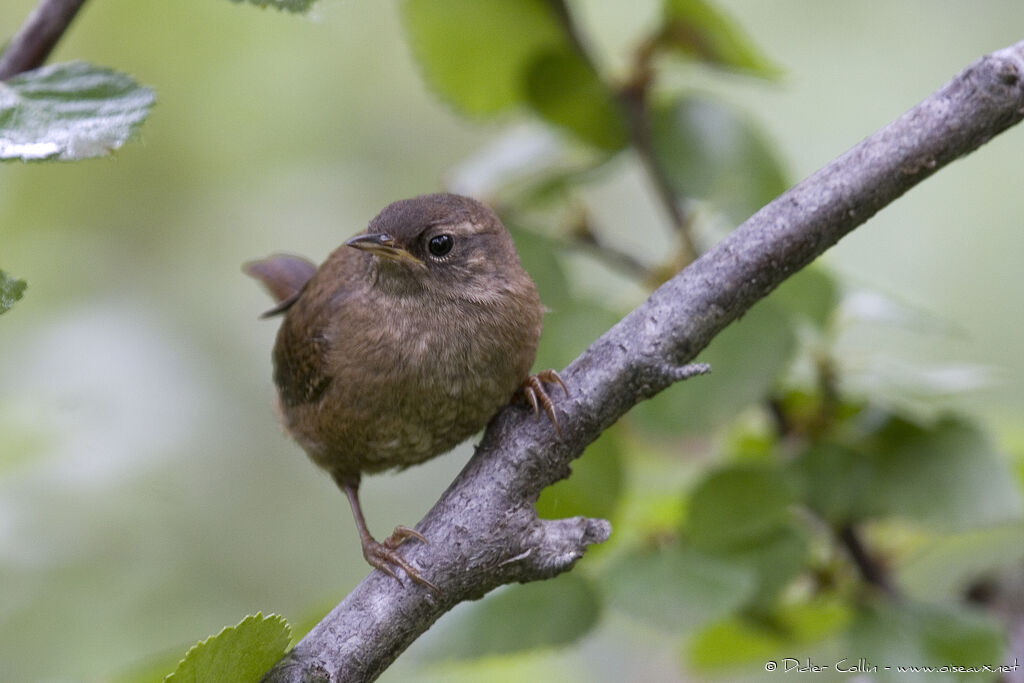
pixel 449 245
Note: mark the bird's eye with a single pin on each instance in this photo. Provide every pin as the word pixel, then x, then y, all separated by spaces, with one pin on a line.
pixel 440 245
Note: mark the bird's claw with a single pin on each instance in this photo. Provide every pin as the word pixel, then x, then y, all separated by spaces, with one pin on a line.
pixel 401 534
pixel 384 556
pixel 538 396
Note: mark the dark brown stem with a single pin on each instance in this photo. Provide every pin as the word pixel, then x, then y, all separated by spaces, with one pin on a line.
pixel 870 569
pixel 484 530
pixel 632 100
pixel 30 47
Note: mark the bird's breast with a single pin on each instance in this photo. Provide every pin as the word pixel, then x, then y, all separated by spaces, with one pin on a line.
pixel 413 381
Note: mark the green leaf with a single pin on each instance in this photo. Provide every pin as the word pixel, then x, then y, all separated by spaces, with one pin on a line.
pixel 776 559
pixel 539 256
pixel 947 474
pixel 678 588
pixel 569 330
pixel 743 514
pixel 712 152
pixel 69 111
pixel 11 290
pixel 812 294
pixel 595 486
pixel 836 481
pixel 566 91
pixel 739 640
pixel 296 6
pixel 928 636
pixel 238 654
pixel 746 361
pixel 736 507
pixel 698 30
pixel 522 617
pixel 475 53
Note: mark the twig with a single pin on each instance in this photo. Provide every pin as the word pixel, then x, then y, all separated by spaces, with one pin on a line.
pixel 632 101
pixel 487 516
pixel 583 237
pixel 870 569
pixel 30 47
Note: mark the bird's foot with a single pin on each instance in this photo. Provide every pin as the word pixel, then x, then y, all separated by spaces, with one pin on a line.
pixel 538 396
pixel 384 556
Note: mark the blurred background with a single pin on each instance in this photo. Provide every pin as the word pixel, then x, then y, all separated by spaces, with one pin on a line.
pixel 148 496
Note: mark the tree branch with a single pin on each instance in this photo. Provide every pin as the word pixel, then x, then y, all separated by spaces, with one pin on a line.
pixel 37 37
pixel 484 531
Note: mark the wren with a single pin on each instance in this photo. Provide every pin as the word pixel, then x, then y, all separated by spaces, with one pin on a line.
pixel 402 344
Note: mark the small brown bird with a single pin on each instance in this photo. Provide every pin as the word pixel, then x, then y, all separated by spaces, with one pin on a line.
pixel 405 342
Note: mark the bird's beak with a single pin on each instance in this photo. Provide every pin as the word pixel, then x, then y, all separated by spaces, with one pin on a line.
pixel 384 245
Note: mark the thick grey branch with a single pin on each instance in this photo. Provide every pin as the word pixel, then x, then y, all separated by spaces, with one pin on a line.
pixel 37 37
pixel 484 531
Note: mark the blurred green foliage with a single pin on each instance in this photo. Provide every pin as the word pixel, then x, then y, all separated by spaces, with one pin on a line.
pixel 522 617
pixel 755 509
pixel 698 30
pixel 483 70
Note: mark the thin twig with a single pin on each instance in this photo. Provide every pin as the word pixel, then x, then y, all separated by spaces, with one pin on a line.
pixel 632 100
pixel 30 47
pixel 870 569
pixel 487 516
pixel 583 237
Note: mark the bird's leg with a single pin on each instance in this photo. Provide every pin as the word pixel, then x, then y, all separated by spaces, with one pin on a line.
pixel 384 556
pixel 537 395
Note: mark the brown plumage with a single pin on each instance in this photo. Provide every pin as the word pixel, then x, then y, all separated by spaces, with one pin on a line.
pixel 403 343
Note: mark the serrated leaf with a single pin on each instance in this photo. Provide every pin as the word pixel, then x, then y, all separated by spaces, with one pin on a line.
pixel 522 617
pixel 11 290
pixel 918 635
pixel 69 111
pixel 698 30
pixel 295 6
pixel 746 361
pixel 238 654
pixel 566 91
pixel 678 588
pixel 593 489
pixel 711 151
pixel 475 52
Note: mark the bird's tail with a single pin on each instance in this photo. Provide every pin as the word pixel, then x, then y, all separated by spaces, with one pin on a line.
pixel 284 276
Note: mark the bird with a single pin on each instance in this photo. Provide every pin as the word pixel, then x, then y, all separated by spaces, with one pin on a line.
pixel 403 343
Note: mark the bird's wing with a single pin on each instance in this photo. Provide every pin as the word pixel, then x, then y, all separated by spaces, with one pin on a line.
pixel 301 369
pixel 300 363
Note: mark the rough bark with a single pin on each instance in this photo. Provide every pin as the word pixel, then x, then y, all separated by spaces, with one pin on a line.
pixel 484 531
